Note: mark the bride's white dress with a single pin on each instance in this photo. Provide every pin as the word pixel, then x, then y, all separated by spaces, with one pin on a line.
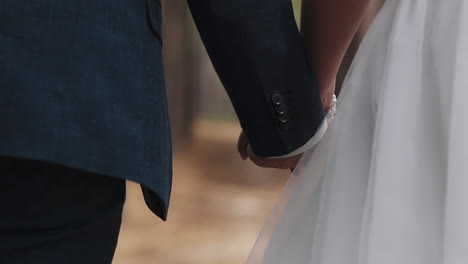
pixel 388 184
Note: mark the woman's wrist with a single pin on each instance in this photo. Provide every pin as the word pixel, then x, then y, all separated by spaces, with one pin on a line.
pixel 327 96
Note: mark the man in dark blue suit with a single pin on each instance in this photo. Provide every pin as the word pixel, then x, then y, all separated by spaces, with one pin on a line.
pixel 83 108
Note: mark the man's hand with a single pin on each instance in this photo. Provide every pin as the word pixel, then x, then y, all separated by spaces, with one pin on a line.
pixel 279 163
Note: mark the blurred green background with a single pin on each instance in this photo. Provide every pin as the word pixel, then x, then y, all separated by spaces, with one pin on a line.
pixel 219 202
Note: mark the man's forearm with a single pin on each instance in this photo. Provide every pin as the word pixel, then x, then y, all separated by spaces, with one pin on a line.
pixel 257 51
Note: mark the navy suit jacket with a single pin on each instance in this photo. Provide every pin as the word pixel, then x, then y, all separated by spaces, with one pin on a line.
pixel 82 83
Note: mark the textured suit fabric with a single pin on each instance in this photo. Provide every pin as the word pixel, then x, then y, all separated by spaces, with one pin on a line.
pixel 56 215
pixel 82 83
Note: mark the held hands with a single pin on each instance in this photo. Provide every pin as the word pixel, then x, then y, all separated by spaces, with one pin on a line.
pixel 279 163
pixel 329 102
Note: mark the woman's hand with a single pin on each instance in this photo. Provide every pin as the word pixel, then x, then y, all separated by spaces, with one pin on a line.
pixel 278 163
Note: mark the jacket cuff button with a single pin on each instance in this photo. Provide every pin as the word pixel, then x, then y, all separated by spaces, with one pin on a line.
pixel 283 118
pixel 284 126
pixel 280 109
pixel 277 98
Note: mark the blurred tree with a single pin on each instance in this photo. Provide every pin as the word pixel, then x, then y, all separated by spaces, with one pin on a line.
pixel 297 10
pixel 181 61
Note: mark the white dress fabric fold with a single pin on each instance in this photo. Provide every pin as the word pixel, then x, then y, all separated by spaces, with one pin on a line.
pixel 388 183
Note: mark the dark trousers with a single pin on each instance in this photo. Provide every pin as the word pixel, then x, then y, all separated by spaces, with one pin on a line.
pixel 52 214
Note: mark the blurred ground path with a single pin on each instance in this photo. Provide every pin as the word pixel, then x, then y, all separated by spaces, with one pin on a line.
pixel 218 206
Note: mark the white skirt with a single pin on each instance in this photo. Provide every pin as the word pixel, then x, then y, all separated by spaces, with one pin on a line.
pixel 388 184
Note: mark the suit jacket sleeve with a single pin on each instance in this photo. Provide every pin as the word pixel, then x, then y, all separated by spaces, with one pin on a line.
pixel 257 52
